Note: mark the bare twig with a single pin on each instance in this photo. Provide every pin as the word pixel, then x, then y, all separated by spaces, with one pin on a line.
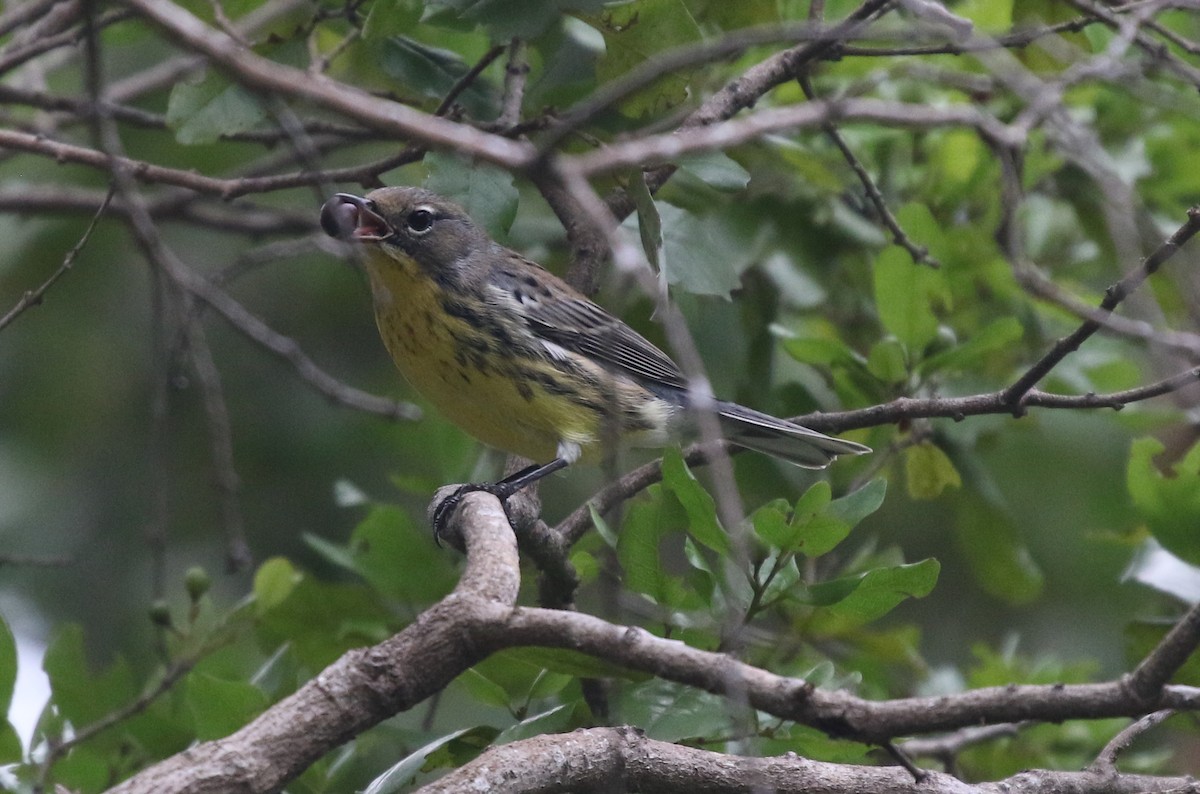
pixel 901 410
pixel 652 150
pixel 919 253
pixel 1106 762
pixel 34 297
pixel 267 75
pixel 1153 672
pixel 10 60
pixel 225 188
pixel 1156 50
pixel 58 749
pixel 173 205
pixel 20 13
pixel 464 82
pixel 1113 296
pixel 516 71
pixel 946 748
pixel 220 436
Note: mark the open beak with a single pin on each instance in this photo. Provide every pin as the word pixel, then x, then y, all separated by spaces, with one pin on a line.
pixel 348 217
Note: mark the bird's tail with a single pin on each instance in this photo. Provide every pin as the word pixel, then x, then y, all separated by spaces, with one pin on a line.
pixel 782 439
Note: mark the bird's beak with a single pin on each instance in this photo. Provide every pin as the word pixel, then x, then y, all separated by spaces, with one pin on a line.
pixel 348 217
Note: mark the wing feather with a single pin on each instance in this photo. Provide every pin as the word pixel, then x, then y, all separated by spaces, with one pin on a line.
pixel 558 314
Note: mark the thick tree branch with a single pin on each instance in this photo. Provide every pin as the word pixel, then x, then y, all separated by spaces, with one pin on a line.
pixel 839 714
pixel 366 686
pixel 363 687
pixel 624 759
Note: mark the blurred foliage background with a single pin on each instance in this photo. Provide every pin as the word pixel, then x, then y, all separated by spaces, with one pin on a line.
pixel 1045 535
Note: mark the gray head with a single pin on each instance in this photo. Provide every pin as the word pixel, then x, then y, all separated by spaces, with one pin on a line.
pixel 405 222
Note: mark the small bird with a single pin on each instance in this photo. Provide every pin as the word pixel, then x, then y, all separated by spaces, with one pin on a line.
pixel 518 358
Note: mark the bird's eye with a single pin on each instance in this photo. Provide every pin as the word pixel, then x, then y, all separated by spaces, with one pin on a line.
pixel 420 221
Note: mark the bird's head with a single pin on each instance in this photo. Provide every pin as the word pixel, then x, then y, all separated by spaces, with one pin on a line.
pixel 405 223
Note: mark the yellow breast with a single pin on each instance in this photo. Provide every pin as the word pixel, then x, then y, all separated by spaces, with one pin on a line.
pixel 501 396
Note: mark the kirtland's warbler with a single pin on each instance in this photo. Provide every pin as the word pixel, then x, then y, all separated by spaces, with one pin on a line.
pixel 515 356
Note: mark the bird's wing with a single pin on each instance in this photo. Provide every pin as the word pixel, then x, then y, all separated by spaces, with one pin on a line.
pixel 583 327
pixel 559 315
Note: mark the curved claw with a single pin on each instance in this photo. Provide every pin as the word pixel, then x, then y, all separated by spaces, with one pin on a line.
pixel 445 508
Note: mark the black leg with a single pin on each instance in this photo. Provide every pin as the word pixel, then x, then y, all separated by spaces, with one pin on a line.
pixel 502 490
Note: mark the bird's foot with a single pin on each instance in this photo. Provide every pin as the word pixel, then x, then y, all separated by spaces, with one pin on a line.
pixel 444 509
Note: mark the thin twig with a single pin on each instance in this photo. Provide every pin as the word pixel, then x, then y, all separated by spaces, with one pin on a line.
pixel 919 253
pixel 263 74
pixel 464 82
pixel 652 150
pixel 1113 296
pixel 1153 672
pixel 57 749
pixel 1106 761
pixel 225 188
pixel 901 410
pixel 220 437
pixel 35 296
pixel 516 71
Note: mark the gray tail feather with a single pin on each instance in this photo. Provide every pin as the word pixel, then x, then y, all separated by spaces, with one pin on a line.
pixel 781 439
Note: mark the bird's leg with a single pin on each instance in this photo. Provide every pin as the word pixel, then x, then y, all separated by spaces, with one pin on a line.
pixel 502 490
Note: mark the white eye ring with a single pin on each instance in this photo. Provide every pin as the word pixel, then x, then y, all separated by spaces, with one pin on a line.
pixel 420 220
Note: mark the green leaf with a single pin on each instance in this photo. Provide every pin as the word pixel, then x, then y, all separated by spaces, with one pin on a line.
pixel 823 352
pixel 444 751
pixel 859 503
pixel 699 255
pixel 817 524
pixel 273 583
pixel 928 471
pixel 770 523
pixel 887 361
pixel 993 546
pixel 646 522
pixel 717 170
pixel 999 335
pixel 703 523
pixel 387 544
pixel 431 72
pixel 391 18
pixel 808 524
pixel 8 665
pixel 957 158
pixel 672 712
pixel 636 31
pixel 506 19
pixel 905 295
pixel 487 193
pixel 602 527
pixel 858 600
pixel 485 690
pixel 201 111
pixel 649 221
pixel 572 663
pixel 989 15
pixel 1170 504
pixel 559 719
pixel 220 706
pixel 11 751
pixel 80 696
pixel 637 546
pixel 320 621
